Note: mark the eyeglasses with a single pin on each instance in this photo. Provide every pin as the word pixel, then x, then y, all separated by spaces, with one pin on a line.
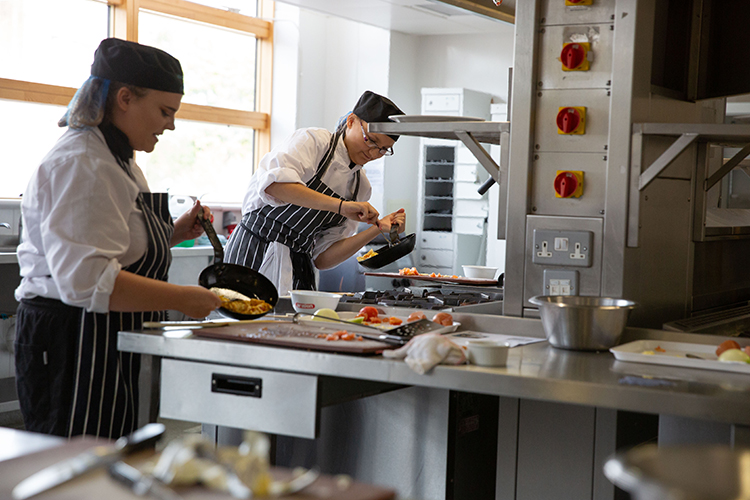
pixel 371 144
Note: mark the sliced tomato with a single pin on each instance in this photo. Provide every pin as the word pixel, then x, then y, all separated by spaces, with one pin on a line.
pixel 416 316
pixel 368 312
pixel 443 318
pixel 395 321
pixel 726 345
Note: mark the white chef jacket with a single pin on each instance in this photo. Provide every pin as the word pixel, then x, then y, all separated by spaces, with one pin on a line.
pixel 81 223
pixel 296 160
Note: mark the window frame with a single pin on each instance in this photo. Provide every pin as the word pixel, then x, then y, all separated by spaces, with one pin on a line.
pixel 124 24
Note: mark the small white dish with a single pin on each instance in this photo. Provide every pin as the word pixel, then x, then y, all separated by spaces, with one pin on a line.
pixel 482 272
pixel 309 301
pixel 487 353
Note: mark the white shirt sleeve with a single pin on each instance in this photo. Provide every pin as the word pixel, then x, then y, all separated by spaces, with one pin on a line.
pixel 294 160
pixel 79 211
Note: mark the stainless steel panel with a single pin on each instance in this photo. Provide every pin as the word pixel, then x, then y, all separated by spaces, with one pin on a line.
pixel 521 147
pixel 590 204
pixel 556 12
pixel 599 74
pixel 287 404
pixel 596 136
pixel 551 463
pixel 589 277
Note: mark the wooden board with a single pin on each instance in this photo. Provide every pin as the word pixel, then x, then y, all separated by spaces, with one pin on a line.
pixel 297 336
pixel 442 279
pixel 97 484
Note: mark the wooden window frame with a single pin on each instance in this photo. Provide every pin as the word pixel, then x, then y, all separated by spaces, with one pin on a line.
pixel 124 16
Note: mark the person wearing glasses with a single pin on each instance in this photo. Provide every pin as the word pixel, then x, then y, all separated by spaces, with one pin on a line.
pixel 305 201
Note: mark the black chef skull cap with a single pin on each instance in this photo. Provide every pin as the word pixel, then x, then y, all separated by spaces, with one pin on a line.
pixel 135 64
pixel 374 108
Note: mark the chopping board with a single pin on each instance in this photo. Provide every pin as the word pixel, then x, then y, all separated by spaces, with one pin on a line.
pixel 293 335
pixel 441 279
pixel 97 484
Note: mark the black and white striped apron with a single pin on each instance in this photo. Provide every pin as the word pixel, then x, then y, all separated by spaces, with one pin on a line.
pixel 291 225
pixel 71 379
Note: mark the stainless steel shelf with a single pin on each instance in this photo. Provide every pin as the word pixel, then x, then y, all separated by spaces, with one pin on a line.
pixel 488 132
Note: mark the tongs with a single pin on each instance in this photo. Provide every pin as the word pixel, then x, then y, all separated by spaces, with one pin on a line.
pixel 392 238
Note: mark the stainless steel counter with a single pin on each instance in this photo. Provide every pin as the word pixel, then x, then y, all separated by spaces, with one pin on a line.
pixel 537 371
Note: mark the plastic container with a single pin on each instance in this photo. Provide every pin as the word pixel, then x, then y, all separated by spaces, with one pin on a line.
pixel 309 301
pixel 487 353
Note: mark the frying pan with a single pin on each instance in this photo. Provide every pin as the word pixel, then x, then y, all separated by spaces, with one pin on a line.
pixel 241 279
pixel 387 254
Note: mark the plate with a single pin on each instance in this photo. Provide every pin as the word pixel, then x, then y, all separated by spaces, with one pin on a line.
pixel 433 118
pixel 675 354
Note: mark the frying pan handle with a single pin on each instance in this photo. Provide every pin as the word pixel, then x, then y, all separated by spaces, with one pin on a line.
pixel 211 233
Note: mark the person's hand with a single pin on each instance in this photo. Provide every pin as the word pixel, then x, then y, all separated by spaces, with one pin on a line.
pixel 187 226
pixel 397 218
pixel 198 302
pixel 360 211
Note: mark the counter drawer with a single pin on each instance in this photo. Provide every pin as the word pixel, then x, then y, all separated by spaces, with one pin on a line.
pixel 437 239
pixel 261 400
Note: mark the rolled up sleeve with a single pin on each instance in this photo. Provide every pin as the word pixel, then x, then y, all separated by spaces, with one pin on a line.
pixel 324 239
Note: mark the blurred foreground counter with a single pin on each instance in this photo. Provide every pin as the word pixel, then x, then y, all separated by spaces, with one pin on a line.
pixel 20 456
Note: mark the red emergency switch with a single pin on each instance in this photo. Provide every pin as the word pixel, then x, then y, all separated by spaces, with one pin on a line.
pixel 568 184
pixel 574 57
pixel 571 120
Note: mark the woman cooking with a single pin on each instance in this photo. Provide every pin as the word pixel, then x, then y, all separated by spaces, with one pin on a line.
pixel 95 251
pixel 308 196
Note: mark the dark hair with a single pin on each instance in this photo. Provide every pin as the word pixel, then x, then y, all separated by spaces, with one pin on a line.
pixel 114 88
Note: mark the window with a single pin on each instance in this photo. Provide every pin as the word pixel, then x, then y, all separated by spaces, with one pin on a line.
pixel 225 49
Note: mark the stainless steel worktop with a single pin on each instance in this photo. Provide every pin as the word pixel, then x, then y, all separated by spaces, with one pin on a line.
pixel 536 371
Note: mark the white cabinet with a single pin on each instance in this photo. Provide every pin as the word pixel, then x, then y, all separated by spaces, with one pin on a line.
pixel 452 214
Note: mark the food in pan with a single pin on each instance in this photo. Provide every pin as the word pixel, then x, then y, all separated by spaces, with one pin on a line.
pixel 239 303
pixel 370 253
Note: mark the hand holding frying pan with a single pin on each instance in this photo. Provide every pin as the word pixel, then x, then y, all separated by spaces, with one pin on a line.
pixel 241 279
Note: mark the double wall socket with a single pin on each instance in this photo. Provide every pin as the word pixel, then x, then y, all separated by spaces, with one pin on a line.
pixel 562 248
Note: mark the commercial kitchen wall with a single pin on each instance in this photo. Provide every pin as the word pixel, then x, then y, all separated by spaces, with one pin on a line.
pixel 323 63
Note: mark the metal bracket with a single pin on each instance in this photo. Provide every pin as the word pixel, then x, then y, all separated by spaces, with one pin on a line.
pixel 666 158
pixel 479 153
pixel 727 167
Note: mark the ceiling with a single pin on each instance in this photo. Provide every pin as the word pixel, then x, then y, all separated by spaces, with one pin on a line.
pixel 418 17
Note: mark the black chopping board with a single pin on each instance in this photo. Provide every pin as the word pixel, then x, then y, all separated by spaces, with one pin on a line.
pixel 293 335
pixel 97 484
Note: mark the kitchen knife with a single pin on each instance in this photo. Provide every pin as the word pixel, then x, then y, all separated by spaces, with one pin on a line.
pixel 140 484
pixel 99 456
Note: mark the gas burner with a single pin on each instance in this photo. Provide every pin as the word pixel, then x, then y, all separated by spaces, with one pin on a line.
pixel 428 299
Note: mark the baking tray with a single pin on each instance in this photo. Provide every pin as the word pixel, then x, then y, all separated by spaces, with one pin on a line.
pixel 675 354
pixel 439 279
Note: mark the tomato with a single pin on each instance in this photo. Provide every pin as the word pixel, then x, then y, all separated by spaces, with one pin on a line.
pixel 374 321
pixel 726 345
pixel 416 316
pixel 368 312
pixel 394 321
pixel 444 319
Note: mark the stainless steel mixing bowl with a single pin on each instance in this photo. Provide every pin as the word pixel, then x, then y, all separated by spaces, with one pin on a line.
pixel 583 323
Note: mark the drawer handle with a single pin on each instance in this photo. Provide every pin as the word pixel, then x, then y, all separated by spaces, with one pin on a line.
pixel 239 386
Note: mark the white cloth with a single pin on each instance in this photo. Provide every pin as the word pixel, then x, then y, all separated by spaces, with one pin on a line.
pixel 81 223
pixel 425 351
pixel 296 160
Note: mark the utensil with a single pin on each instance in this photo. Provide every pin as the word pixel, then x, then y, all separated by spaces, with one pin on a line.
pixel 99 456
pixel 386 238
pixel 583 323
pixel 391 253
pixel 241 279
pixel 141 484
